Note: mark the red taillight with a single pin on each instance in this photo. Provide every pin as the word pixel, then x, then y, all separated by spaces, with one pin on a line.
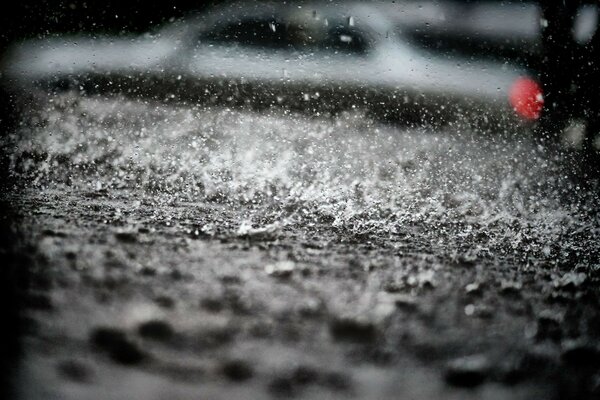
pixel 526 97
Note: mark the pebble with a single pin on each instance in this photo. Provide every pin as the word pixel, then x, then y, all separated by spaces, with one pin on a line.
pixel 570 280
pixel 305 375
pixel 424 279
pixel 311 307
pixel 117 345
pixel 216 336
pixel 237 370
pixel 212 304
pixel 74 370
pixel 536 361
pixel 581 354
pixel 165 301
pixel 336 381
pixel 511 287
pixel 473 288
pixel 353 329
pixel 230 279
pixel 281 269
pixel 393 287
pixel 126 237
pixel 479 311
pixel 176 275
pixel 268 232
pixel 282 386
pixel 52 233
pixel 548 327
pixel 541 356
pixel 156 330
pixel 292 382
pixel 467 371
pixel 406 302
pixel 148 271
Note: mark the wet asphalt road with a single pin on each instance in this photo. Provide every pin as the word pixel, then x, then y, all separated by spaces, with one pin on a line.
pixel 184 252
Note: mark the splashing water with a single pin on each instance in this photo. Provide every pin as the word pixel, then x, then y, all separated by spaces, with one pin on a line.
pixel 459 194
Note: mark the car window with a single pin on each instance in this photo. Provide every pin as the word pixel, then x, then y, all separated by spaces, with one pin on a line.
pixel 249 32
pixel 291 34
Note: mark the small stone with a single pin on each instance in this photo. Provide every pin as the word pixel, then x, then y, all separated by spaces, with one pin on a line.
pixel 406 302
pixel 231 279
pixel 239 302
pixel 354 330
pixel 468 371
pixel 148 271
pixel 155 330
pixel 176 275
pixel 535 361
pixel 479 311
pixel 570 280
pixel 311 307
pixel 268 232
pixel 237 370
pixel 281 269
pixel 469 310
pixel 216 336
pixel 581 354
pixel 548 327
pixel 117 345
pixel 336 381
pixel 165 301
pixel 393 287
pixel 50 232
pixel 212 304
pixel 74 370
pixel 262 329
pixel 126 237
pixel 304 375
pixel 424 279
pixel 473 288
pixel 539 357
pixel 282 386
pixel 510 287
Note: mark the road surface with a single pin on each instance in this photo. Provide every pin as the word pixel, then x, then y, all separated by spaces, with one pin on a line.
pixel 180 252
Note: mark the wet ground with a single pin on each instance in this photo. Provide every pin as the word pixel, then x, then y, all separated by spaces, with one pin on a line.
pixel 182 252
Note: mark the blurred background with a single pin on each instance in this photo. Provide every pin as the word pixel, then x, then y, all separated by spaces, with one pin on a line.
pixel 31 18
pixel 551 38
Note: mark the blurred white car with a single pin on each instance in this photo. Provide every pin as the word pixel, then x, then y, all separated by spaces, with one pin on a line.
pixel 317 58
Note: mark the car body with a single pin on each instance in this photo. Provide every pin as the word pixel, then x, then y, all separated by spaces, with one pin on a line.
pixel 317 58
